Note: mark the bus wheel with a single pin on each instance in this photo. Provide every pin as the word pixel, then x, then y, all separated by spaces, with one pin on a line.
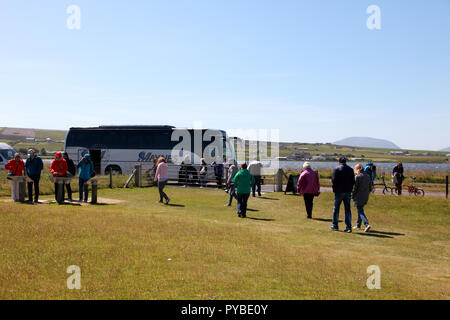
pixel 114 169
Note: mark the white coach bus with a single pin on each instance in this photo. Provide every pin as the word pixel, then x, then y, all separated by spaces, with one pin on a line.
pixel 6 153
pixel 120 148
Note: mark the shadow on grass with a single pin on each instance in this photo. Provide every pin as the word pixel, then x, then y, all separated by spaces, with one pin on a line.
pixel 175 205
pixel 260 219
pixel 266 198
pixel 325 220
pixel 253 210
pixel 369 234
pixel 387 233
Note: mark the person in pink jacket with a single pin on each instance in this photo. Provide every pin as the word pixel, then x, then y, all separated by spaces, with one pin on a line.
pixel 161 176
pixel 309 186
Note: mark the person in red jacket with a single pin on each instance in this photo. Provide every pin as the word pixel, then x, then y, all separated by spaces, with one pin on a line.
pixel 15 167
pixel 59 168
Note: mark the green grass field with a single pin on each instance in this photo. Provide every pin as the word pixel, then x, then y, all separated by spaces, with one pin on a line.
pixel 199 249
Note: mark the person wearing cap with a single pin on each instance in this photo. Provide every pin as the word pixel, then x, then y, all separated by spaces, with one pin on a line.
pixel 72 171
pixel 371 170
pixel 15 167
pixel 85 173
pixel 58 168
pixel 342 179
pixel 309 186
pixel 34 166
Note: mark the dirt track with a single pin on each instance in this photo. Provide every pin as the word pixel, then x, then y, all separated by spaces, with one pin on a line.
pixel 270 188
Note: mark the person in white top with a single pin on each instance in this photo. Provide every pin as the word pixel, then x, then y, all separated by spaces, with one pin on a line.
pixel 255 169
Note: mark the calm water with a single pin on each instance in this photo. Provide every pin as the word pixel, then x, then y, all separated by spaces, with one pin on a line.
pixel 382 166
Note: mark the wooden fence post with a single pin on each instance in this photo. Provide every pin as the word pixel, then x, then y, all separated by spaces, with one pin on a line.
pixel 279 185
pixel 137 175
pixel 446 187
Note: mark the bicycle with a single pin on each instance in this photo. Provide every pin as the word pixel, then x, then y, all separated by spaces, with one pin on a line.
pixel 418 192
pixel 386 189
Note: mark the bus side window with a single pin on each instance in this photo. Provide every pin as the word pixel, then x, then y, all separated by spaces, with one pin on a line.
pixel 1 159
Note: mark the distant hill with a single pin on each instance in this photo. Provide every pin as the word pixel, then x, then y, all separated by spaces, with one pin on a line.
pixel 446 149
pixel 367 143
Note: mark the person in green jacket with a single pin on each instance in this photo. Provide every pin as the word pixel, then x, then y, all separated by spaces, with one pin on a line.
pixel 243 181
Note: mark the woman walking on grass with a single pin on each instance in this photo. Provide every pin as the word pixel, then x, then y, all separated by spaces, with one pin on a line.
pixel 161 176
pixel 308 185
pixel 360 195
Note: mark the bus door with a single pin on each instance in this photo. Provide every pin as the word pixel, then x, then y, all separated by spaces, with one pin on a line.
pixel 96 157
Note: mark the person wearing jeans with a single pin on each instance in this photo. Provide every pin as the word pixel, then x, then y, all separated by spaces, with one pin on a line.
pixel 243 180
pixel 360 195
pixel 161 176
pixel 86 171
pixel 83 189
pixel 342 179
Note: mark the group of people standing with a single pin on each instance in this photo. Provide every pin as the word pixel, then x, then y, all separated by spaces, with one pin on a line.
pixel 62 166
pixel 347 184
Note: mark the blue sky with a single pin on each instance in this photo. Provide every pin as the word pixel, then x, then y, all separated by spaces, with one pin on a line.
pixel 309 68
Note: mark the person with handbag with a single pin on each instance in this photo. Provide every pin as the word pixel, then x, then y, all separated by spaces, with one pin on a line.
pixel 308 185
pixel 15 167
pixel 86 172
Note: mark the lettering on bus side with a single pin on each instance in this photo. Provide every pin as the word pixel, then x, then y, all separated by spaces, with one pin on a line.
pixel 151 157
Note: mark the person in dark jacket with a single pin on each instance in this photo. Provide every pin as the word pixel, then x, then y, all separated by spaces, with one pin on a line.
pixel 34 166
pixel 72 170
pixel 360 195
pixel 218 172
pixel 398 177
pixel 343 179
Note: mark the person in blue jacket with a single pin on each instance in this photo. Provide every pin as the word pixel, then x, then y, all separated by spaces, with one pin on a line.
pixel 86 172
pixel 371 171
pixel 33 167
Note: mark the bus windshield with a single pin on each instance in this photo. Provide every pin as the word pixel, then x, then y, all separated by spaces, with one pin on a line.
pixel 7 154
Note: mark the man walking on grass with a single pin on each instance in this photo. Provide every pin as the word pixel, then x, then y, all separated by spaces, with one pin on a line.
pixel 243 180
pixel 343 179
